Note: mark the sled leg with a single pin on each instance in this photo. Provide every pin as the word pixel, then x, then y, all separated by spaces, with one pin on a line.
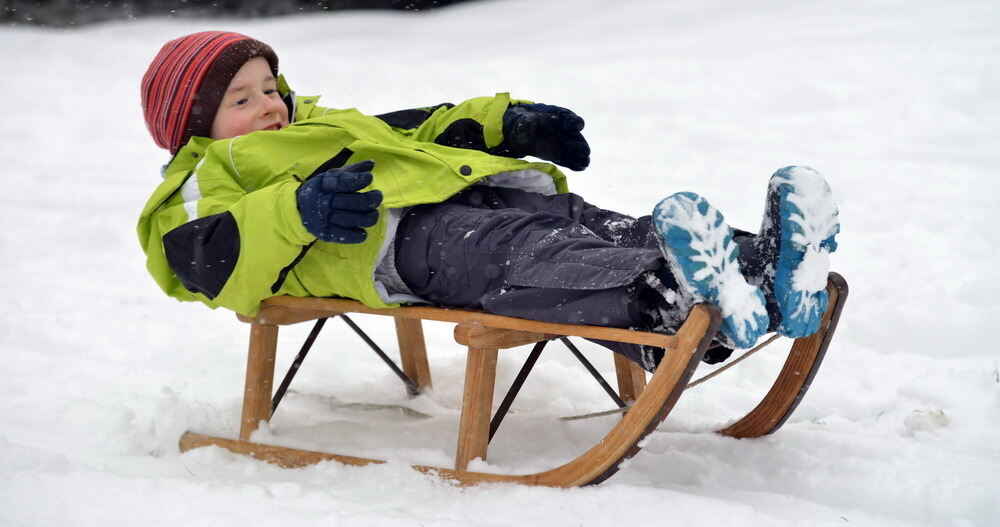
pixel 260 376
pixel 631 379
pixel 797 374
pixel 413 351
pixel 477 404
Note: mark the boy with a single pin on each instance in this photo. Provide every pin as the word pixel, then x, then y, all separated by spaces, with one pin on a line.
pixel 268 194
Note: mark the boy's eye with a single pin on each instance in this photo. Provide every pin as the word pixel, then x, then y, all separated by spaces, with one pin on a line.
pixel 241 102
pixel 271 91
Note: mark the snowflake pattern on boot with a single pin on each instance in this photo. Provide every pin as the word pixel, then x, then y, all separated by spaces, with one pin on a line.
pixel 797 235
pixel 699 247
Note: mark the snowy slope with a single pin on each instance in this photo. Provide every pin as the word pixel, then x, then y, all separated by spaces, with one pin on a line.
pixel 895 102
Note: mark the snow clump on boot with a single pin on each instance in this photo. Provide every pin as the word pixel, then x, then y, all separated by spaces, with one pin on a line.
pixel 801 223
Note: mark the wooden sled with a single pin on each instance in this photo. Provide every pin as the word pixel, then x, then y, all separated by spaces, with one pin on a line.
pixel 484 334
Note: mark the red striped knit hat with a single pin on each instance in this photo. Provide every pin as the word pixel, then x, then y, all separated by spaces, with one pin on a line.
pixel 184 84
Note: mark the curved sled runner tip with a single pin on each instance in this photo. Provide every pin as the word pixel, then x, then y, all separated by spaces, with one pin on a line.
pixel 791 385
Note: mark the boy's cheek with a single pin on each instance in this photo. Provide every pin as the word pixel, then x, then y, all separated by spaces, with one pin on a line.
pixel 227 126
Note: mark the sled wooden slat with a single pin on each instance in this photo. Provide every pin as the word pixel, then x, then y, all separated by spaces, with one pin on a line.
pixel 283 310
pixel 476 335
pixel 484 335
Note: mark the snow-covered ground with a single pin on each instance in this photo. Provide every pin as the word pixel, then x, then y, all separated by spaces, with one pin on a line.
pixel 896 102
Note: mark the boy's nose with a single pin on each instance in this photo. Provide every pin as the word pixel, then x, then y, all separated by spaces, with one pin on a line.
pixel 272 105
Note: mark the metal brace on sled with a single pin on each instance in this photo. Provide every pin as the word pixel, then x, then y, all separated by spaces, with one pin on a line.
pixel 484 334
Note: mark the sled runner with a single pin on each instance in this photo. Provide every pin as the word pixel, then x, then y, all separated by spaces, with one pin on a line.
pixel 484 334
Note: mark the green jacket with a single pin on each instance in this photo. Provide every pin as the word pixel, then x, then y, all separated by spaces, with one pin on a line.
pixel 224 228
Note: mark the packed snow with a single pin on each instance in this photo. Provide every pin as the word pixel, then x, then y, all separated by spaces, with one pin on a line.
pixel 894 102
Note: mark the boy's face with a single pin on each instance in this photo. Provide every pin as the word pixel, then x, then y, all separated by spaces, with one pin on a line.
pixel 251 102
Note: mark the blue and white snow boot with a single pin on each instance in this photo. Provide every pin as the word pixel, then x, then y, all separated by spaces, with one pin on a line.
pixel 797 235
pixel 702 255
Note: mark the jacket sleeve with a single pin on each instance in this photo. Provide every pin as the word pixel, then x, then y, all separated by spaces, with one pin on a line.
pixel 475 124
pixel 226 246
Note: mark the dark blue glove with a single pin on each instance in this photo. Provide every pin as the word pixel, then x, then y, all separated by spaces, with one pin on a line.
pixel 549 132
pixel 331 207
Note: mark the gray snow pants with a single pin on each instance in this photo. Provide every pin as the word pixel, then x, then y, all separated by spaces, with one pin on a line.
pixel 551 258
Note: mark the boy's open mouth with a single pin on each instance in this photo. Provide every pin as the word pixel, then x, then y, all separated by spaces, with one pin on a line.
pixel 275 126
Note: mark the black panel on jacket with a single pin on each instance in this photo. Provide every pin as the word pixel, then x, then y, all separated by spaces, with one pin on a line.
pixel 463 133
pixel 289 101
pixel 203 252
pixel 336 161
pixel 409 119
pixel 468 133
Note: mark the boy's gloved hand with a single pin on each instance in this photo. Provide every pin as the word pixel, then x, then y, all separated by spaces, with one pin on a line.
pixel 549 132
pixel 331 207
